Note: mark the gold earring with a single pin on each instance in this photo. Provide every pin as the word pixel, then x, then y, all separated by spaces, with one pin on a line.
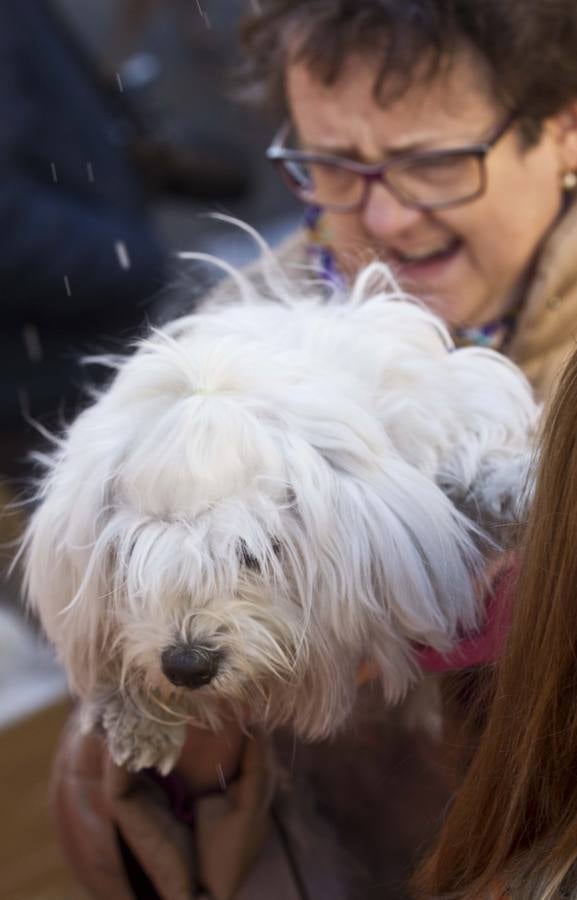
pixel 569 181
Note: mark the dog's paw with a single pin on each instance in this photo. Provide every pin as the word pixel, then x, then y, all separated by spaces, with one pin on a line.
pixel 136 742
pixel 498 496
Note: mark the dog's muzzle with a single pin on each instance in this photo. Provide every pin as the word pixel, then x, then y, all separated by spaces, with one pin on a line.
pixel 189 666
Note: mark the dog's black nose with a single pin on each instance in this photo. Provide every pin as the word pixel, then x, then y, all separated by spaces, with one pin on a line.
pixel 189 666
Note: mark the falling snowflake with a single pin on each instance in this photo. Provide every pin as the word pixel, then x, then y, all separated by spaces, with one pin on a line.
pixel 90 171
pixel 203 14
pixel 54 173
pixel 122 255
pixel 67 286
pixel 32 343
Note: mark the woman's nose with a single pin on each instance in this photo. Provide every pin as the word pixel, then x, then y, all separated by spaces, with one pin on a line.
pixel 385 217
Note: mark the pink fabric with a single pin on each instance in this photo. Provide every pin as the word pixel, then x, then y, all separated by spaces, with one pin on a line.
pixel 484 646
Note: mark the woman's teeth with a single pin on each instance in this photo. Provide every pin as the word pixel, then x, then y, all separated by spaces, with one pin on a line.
pixel 420 256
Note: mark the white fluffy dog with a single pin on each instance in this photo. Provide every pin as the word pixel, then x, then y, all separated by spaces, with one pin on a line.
pixel 271 492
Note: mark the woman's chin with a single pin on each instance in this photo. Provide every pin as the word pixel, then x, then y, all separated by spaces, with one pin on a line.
pixel 446 286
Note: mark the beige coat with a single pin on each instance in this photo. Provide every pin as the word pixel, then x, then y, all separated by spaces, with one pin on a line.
pixel 547 325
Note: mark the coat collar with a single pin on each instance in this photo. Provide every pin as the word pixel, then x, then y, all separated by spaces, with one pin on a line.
pixel 547 322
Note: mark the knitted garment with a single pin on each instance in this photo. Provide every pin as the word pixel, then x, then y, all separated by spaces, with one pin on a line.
pixel 485 646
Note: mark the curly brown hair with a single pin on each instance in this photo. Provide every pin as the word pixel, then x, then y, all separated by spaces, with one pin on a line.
pixel 528 47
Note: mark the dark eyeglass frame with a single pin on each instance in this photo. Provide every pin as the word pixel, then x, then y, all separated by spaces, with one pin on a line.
pixel 279 155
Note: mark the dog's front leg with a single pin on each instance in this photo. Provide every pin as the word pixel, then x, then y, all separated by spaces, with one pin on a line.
pixel 135 740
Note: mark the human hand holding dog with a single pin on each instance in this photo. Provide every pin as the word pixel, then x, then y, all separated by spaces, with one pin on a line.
pixel 94 802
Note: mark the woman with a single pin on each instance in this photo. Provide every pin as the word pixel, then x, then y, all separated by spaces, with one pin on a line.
pixel 375 90
pixel 442 137
pixel 514 820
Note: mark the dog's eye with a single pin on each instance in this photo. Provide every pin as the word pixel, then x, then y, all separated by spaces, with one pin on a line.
pixel 276 548
pixel 247 559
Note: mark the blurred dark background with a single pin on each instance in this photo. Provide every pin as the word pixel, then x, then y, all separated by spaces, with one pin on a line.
pixel 198 91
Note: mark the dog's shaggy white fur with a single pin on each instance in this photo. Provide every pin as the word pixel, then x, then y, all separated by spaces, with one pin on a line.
pixel 270 492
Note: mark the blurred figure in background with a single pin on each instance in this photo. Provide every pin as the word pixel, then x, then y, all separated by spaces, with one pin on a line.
pixel 79 259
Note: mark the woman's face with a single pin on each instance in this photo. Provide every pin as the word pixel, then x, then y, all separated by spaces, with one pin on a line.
pixel 466 262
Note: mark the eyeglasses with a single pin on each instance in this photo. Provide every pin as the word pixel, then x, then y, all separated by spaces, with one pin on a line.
pixel 428 180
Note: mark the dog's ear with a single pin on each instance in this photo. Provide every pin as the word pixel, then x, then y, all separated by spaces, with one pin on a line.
pixel 485 467
pixel 68 553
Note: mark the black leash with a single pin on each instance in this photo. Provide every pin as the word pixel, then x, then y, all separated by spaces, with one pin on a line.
pixel 287 845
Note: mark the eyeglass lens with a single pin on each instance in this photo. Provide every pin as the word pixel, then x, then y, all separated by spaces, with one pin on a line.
pixel 436 181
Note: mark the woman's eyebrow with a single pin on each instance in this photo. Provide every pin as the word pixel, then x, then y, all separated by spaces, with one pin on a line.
pixel 350 152
pixel 331 150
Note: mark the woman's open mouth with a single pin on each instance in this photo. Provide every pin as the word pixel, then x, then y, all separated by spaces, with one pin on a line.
pixel 426 263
